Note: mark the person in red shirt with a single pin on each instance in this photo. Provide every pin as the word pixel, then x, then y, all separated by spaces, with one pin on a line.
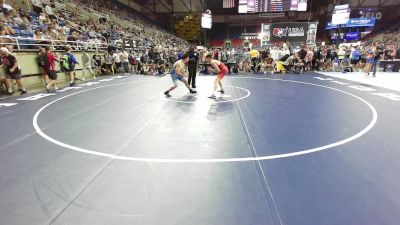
pixel 50 67
pixel 220 69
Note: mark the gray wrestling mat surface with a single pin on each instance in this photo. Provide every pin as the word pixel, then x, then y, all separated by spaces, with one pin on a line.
pixel 293 150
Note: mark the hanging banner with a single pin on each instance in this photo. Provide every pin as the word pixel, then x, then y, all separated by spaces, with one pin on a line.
pixel 354 22
pixel 312 33
pixel 265 34
pixel 361 22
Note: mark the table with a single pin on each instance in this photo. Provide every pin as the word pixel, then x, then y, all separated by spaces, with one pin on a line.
pixel 390 65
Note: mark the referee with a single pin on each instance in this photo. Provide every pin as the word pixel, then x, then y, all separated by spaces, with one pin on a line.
pixel 192 66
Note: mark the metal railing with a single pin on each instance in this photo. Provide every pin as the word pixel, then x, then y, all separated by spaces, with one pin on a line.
pixel 21 42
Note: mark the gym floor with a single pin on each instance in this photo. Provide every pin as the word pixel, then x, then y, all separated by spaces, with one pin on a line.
pixel 274 150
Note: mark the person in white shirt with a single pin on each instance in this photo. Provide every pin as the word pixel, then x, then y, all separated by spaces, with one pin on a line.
pixel 275 54
pixel 49 10
pixel 117 60
pixel 42 18
pixel 124 57
pixel 87 64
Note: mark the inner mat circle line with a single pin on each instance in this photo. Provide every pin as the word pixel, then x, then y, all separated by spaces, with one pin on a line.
pixel 215 102
pixel 216 160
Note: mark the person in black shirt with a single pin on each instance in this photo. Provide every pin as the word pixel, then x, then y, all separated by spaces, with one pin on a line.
pixel 264 54
pixel 377 57
pixel 71 40
pixel 41 60
pixel 317 59
pixel 12 71
pixel 97 62
pixel 192 66
pixel 302 54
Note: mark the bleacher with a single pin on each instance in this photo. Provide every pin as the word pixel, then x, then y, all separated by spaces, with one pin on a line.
pixel 119 23
pixel 76 24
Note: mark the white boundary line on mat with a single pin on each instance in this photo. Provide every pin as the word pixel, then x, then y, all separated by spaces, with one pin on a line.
pixel 216 160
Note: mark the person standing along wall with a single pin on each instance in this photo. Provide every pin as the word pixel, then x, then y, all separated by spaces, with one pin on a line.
pixel 12 71
pixel 377 56
pixel 87 64
pixel 50 69
pixel 124 56
pixel 97 63
pixel 68 62
pixel 108 62
pixel 117 61
pixel 41 59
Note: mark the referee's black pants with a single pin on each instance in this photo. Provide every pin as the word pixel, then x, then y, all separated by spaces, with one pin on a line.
pixel 192 75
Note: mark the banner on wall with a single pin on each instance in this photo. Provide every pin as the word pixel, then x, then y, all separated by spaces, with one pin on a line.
pixel 282 32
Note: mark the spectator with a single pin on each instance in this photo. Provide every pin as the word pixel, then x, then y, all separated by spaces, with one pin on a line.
pixel 143 61
pixel 268 64
pixel 309 59
pixel 355 58
pixel 41 61
pixel 179 55
pixel 117 60
pixel 50 69
pixel 6 17
pixel 398 53
pixel 25 24
pixel 45 25
pixel 49 11
pixel 37 36
pixel 369 63
pixel 254 57
pixel 124 56
pixel 133 62
pixel 46 35
pixel 342 54
pixel 274 54
pixel 97 63
pixel 7 29
pixel 12 71
pixel 318 59
pixel 72 40
pixel 37 6
pixel 378 52
pixel 68 62
pixel 108 63
pixel 42 18
pixel 302 54
pixel 4 40
pixel 86 64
